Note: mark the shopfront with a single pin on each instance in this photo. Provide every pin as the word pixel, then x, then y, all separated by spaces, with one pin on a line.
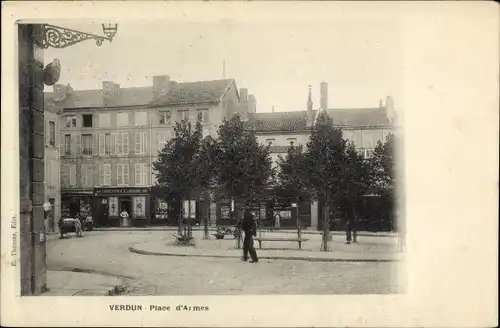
pixel 111 203
pixel 75 202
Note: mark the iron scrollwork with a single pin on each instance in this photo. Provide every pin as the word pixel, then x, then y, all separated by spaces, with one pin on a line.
pixel 60 37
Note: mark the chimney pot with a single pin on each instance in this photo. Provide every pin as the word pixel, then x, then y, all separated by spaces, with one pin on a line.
pixel 323 89
pixel 161 85
pixel 244 95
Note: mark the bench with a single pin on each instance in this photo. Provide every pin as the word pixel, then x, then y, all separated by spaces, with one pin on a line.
pixel 298 240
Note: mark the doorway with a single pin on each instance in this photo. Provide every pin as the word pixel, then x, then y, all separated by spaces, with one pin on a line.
pixel 126 205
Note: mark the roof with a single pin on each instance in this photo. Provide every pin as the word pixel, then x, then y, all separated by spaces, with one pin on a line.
pixel 194 92
pixel 297 121
pixel 279 121
pixel 180 93
pixel 94 99
pixel 359 116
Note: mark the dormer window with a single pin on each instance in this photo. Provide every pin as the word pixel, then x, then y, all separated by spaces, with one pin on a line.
pixel 269 141
pixel 292 141
pixel 70 121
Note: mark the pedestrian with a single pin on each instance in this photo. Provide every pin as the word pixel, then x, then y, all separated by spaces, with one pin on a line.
pixel 249 226
pixel 124 215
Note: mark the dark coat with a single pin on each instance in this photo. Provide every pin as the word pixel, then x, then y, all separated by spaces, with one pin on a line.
pixel 248 224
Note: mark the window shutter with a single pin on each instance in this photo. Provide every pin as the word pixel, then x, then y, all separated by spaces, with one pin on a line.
pixel 95 120
pixel 113 141
pixel 101 175
pixel 94 144
pixel 72 175
pixel 138 137
pixel 137 174
pixel 145 173
pixel 118 144
pixel 101 144
pixel 119 170
pixel 145 142
pixel 125 143
pixel 65 175
pixel 125 174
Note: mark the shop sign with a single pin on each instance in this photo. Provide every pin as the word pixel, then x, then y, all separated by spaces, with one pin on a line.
pixel 121 191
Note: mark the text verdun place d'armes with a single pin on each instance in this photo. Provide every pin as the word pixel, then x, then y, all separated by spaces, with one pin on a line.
pixel 159 308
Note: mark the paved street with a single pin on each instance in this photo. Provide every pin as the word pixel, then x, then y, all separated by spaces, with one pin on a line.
pixel 107 253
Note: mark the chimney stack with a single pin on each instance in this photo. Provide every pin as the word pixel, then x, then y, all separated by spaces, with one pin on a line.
pixel 310 114
pixel 243 95
pixel 161 85
pixel 110 89
pixel 389 108
pixel 252 104
pixel 323 89
pixel 272 109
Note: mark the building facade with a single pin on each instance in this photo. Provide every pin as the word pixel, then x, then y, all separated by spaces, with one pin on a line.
pixel 109 139
pixel 52 169
pixel 362 126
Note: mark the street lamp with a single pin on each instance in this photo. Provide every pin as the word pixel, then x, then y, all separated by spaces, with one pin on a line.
pixel 61 37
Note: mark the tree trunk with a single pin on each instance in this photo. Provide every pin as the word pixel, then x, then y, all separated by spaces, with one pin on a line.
pixel 355 225
pixel 326 230
pixel 189 235
pixel 207 207
pixel 181 214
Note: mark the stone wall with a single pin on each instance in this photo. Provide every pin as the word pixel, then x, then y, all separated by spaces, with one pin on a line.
pixel 31 149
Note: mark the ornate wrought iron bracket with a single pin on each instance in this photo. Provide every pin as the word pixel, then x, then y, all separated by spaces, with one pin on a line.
pixel 61 37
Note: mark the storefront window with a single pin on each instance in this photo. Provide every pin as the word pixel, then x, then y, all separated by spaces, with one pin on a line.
pixel 113 206
pixel 139 206
pixel 189 208
pixel 162 210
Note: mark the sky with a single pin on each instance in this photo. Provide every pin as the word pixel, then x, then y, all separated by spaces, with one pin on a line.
pixel 360 60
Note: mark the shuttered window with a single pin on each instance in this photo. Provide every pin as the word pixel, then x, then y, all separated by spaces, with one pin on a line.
pixel 72 175
pixel 105 174
pixel 140 143
pixel 141 174
pixel 122 175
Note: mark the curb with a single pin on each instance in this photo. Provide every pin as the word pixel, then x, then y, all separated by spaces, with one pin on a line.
pixel 290 258
pixel 306 232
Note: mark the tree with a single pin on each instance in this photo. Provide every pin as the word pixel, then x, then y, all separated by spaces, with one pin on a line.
pixel 382 168
pixel 356 175
pixel 325 159
pixel 175 168
pixel 292 178
pixel 243 166
pixel 205 167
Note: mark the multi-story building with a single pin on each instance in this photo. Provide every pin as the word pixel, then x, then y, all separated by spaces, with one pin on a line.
pixel 51 163
pixel 362 126
pixel 110 138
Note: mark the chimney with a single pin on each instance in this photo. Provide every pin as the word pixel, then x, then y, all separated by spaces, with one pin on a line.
pixel 323 89
pixel 380 104
pixel 161 85
pixel 272 109
pixel 252 104
pixel 243 95
pixel 61 92
pixel 389 108
pixel 110 89
pixel 310 113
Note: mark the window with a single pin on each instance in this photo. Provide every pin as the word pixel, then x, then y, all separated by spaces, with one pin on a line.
pixel 70 121
pixel 284 214
pixel 87 176
pixel 206 133
pixel 104 144
pixel 164 117
pixel 113 206
pixel 183 115
pixel 141 174
pixel 121 143
pixel 105 174
pixel 67 144
pixel 205 118
pixel 104 120
pixel 87 144
pixel 139 204
pixel 141 118
pixel 52 133
pixel 269 141
pixel 122 119
pixel 72 175
pixel 122 174
pixel 107 143
pixel 163 137
pixel 140 143
pixel 87 120
pixel 368 153
pixel 292 141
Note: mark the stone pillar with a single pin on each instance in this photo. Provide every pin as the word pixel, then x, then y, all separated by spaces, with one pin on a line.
pixel 31 151
pixel 314 215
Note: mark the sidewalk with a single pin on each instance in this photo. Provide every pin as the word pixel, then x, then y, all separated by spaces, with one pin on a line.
pixel 68 283
pixel 364 251
pixel 212 229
